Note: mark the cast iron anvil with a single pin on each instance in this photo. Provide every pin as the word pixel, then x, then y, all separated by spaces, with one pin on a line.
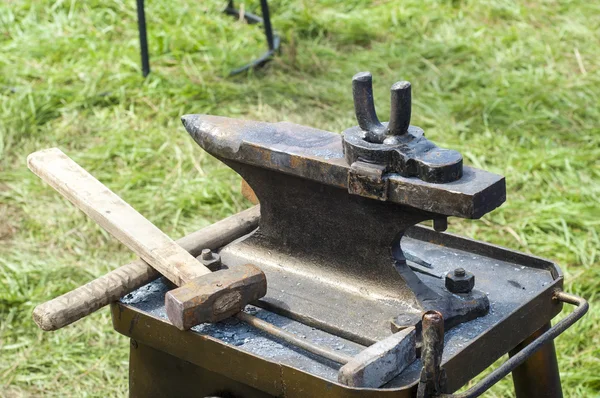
pixel 334 208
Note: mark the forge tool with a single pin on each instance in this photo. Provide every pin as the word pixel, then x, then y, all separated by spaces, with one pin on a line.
pixel 204 296
pixel 338 241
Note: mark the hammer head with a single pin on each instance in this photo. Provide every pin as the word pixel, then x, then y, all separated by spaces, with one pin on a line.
pixel 215 296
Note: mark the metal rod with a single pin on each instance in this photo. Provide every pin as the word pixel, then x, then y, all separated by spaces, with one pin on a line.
pixel 292 339
pixel 141 14
pixel 266 16
pixel 364 107
pixel 401 99
pixel 431 382
pixel 512 363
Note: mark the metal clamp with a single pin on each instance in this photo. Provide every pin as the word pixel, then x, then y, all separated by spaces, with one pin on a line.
pixel 508 366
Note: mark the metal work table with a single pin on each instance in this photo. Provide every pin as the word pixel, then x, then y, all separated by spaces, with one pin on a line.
pixel 141 316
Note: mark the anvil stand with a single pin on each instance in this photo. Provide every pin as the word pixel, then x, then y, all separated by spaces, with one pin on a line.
pixel 273 40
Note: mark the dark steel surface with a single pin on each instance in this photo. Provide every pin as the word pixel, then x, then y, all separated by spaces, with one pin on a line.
pixel 210 260
pixel 340 243
pixel 154 373
pixel 401 148
pixel 317 226
pixel 332 234
pixel 292 339
pixel 541 367
pixel 317 155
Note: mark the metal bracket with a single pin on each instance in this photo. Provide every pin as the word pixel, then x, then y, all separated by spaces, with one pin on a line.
pixel 396 145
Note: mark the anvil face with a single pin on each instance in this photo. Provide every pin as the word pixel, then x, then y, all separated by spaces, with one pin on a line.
pixel 318 155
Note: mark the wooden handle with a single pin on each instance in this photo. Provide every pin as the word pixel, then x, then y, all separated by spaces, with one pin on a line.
pixel 80 302
pixel 114 215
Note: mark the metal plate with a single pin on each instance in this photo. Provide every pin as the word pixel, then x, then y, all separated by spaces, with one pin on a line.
pixel 519 288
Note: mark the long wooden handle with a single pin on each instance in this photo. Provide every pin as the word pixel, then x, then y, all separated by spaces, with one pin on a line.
pixel 86 299
pixel 114 215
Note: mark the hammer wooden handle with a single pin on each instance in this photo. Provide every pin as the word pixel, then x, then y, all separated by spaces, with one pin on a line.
pixel 115 215
pixel 86 299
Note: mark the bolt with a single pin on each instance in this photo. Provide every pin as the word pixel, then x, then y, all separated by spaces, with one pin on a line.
pixel 134 343
pixel 206 254
pixel 440 224
pixel 460 281
pixel 210 260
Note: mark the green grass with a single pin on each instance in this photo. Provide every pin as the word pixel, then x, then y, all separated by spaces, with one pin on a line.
pixel 513 85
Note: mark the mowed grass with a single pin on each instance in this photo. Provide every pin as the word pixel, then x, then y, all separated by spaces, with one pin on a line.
pixel 513 85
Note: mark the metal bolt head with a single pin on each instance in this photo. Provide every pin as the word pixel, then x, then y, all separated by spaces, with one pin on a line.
pixel 206 254
pixel 460 281
pixel 210 260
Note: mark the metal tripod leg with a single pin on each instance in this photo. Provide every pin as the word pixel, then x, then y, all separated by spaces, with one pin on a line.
pixel 273 40
pixel 538 376
pixel 141 14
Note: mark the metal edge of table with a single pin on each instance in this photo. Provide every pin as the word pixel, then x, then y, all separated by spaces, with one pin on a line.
pixel 217 356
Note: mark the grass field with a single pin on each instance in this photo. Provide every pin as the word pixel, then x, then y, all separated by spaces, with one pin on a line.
pixel 513 85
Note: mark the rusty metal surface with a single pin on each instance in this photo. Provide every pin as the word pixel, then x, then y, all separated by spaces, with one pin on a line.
pixel 154 373
pixel 318 155
pixel 433 377
pixel 216 296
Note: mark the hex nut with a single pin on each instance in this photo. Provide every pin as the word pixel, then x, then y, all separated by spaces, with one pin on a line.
pixel 460 281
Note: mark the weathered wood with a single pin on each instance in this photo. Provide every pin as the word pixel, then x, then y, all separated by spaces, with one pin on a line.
pixel 116 216
pixel 132 229
pixel 381 362
pixel 86 299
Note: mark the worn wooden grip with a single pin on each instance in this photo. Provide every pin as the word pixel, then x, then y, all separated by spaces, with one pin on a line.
pixel 115 215
pixel 86 299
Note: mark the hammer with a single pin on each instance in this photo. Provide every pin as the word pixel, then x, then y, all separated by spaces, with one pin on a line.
pixel 202 296
pixel 205 296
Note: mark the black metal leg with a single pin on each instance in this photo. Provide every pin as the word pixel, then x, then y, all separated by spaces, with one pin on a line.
pixel 264 6
pixel 143 38
pixel 538 376
pixel 273 40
